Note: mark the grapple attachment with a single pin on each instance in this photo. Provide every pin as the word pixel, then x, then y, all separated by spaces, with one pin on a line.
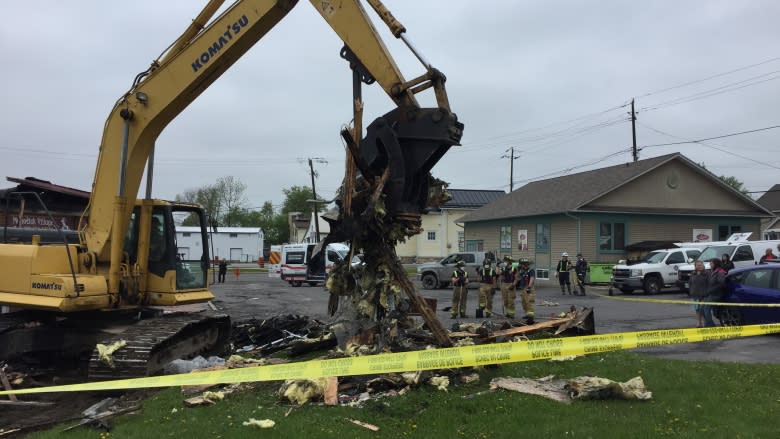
pixel 410 141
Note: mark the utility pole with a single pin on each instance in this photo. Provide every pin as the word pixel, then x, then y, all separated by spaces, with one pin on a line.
pixel 315 207
pixel 633 130
pixel 511 156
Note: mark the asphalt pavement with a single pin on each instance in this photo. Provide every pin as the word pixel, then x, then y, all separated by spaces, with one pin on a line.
pixel 257 295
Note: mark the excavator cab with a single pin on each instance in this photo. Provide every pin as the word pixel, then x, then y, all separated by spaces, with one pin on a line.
pixel 170 268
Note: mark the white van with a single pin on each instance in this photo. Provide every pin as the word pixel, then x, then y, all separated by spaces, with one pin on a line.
pixel 742 254
pixel 296 258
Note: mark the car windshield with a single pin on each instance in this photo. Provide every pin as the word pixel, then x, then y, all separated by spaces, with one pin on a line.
pixel 655 257
pixel 343 254
pixel 715 251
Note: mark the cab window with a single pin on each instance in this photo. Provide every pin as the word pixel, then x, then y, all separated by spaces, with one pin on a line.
pixel 743 253
pixel 675 258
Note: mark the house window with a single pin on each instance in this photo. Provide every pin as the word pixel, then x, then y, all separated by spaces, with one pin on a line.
pixel 543 237
pixel 461 242
pixel 612 236
pixel 542 273
pixel 431 236
pixel 726 230
pixel 474 245
pixel 505 238
pixel 234 235
pixel 186 234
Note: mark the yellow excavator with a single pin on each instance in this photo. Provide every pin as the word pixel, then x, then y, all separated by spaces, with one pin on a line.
pixel 97 288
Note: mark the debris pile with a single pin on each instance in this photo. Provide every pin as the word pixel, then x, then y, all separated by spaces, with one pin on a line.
pixel 266 336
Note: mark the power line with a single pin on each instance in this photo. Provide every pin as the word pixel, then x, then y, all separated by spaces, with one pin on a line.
pixel 733 86
pixel 712 138
pixel 711 146
pixel 685 84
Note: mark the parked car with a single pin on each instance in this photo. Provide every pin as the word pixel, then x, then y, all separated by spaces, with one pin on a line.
pixel 755 284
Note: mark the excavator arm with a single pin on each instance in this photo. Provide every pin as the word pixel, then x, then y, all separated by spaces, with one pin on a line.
pixel 192 64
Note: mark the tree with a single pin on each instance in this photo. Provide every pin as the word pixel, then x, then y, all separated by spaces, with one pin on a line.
pixel 731 181
pixel 231 198
pixel 222 201
pixel 295 200
pixel 207 196
pixel 736 184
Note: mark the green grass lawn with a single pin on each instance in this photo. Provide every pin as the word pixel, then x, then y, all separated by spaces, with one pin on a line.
pixel 690 399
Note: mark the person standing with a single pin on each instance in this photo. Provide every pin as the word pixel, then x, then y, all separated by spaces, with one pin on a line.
pixel 487 278
pixel 222 271
pixel 508 277
pixel 526 278
pixel 726 262
pixel 698 290
pixel 562 271
pixel 460 281
pixel 716 290
pixel 768 256
pixel 581 270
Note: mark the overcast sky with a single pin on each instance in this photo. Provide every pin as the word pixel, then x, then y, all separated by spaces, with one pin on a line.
pixel 550 78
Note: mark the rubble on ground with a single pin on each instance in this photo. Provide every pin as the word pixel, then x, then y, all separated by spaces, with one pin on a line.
pixel 286 334
pixel 579 388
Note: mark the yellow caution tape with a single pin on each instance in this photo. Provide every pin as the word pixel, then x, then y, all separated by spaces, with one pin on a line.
pixel 690 302
pixel 465 356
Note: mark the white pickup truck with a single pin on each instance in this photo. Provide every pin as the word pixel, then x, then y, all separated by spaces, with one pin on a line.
pixel 657 271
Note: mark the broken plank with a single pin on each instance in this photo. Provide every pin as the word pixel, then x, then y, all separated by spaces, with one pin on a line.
pixel 529 328
pixel 550 389
pixel 435 326
pixel 366 425
pixel 331 395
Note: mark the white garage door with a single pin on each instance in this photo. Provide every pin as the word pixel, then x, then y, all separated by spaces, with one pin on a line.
pixel 235 254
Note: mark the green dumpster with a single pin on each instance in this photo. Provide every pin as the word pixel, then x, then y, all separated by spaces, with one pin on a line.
pixel 600 273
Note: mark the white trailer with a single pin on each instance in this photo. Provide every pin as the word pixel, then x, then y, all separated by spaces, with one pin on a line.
pixel 234 244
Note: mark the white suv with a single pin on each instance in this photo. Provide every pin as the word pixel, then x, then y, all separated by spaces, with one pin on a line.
pixel 656 271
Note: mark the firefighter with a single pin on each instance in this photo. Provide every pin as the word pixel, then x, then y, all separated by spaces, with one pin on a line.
pixel 526 278
pixel 562 271
pixel 581 269
pixel 460 281
pixel 508 275
pixel 487 278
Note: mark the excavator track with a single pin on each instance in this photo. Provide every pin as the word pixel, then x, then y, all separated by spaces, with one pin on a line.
pixel 155 342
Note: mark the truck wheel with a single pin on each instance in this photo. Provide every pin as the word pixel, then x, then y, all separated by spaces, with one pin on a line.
pixel 312 284
pixel 729 317
pixel 652 285
pixel 429 282
pixel 296 283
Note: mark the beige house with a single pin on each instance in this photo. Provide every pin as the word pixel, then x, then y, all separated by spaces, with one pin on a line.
pixel 601 212
pixel 442 234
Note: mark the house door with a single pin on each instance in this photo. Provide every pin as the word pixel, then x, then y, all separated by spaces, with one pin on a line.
pixel 235 254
